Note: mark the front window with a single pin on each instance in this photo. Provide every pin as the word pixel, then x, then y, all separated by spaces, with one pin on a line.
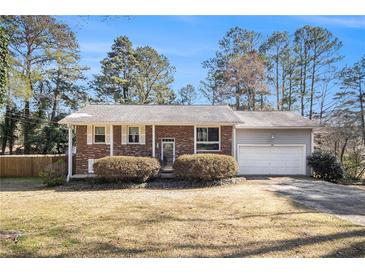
pixel 207 138
pixel 133 134
pixel 99 135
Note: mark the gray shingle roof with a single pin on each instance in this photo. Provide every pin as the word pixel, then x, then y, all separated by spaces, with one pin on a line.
pixel 184 115
pixel 267 119
pixel 152 114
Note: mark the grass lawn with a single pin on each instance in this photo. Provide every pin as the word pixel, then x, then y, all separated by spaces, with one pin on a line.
pixel 229 221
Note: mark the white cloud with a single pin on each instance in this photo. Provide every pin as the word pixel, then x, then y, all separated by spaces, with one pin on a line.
pixel 344 21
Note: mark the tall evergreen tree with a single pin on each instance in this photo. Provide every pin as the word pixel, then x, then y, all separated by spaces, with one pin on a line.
pixel 316 49
pixel 32 42
pixel 4 64
pixel 129 75
pixel 117 72
pixel 351 97
pixel 187 95
pixel 276 50
pixel 236 43
pixel 153 77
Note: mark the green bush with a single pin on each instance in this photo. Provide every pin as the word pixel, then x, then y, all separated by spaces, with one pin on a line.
pixel 325 166
pixel 205 167
pixel 354 164
pixel 126 168
pixel 54 174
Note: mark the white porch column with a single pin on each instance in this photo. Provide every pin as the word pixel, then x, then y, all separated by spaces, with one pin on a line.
pixel 69 170
pixel 234 149
pixel 194 139
pixel 111 140
pixel 153 142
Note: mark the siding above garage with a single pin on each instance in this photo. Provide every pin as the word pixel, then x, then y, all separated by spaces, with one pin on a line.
pixel 276 136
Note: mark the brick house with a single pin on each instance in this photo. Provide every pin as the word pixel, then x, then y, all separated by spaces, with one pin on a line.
pixel 260 141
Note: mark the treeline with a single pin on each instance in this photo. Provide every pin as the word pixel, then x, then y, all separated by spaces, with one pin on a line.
pixel 42 80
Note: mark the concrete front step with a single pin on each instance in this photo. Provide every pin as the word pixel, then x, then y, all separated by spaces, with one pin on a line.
pixel 165 175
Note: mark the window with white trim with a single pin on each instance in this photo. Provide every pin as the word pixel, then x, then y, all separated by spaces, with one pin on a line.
pixel 99 134
pixel 207 139
pixel 133 135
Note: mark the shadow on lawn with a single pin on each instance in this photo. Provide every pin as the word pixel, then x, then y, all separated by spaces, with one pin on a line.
pixel 66 243
pixel 356 250
pixel 129 248
pixel 21 184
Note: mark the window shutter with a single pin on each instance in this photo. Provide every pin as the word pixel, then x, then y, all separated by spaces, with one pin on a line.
pixel 90 165
pixel 142 135
pixel 89 134
pixel 124 135
pixel 107 134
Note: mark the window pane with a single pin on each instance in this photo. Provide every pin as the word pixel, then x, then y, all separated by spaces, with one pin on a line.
pixel 99 130
pixel 100 138
pixel 133 139
pixel 213 134
pixel 207 146
pixel 133 130
pixel 202 134
pixel 133 136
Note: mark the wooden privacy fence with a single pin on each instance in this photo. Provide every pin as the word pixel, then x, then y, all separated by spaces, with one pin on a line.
pixel 28 165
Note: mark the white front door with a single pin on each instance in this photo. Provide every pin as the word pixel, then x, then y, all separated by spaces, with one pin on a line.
pixel 168 152
pixel 271 160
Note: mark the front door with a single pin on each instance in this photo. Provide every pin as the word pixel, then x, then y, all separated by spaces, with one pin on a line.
pixel 168 152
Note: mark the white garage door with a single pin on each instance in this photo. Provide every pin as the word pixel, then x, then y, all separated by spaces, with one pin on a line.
pixel 271 160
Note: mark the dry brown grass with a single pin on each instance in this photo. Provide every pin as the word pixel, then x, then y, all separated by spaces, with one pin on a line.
pixel 230 221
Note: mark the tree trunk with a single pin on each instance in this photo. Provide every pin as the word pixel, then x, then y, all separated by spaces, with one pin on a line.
pixel 26 118
pixel 304 78
pixel 237 98
pixel 362 112
pixel 26 127
pixel 282 88
pixel 290 91
pixel 5 128
pixel 343 149
pixel 262 102
pixel 277 80
pixel 312 85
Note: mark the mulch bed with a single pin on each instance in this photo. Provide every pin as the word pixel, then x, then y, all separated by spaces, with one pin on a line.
pixel 85 185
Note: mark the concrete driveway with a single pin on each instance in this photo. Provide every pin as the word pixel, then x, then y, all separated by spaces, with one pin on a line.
pixel 346 202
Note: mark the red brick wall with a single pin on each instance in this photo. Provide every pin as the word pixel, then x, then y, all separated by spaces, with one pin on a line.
pixel 183 135
pixel 132 149
pixel 226 140
pixel 85 151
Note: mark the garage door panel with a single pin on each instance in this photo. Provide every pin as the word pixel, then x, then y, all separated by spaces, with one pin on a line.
pixel 271 160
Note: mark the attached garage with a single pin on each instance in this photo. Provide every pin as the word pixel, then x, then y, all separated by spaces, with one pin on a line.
pixel 273 143
pixel 272 159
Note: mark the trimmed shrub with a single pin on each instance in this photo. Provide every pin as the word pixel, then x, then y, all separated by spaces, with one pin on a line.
pixel 205 167
pixel 54 174
pixel 126 168
pixel 325 166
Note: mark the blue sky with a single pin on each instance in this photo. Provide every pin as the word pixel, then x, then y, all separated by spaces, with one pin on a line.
pixel 189 40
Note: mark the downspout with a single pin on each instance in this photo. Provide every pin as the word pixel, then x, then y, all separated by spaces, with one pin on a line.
pixel 69 170
pixel 194 139
pixel 111 140
pixel 153 141
pixel 234 150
